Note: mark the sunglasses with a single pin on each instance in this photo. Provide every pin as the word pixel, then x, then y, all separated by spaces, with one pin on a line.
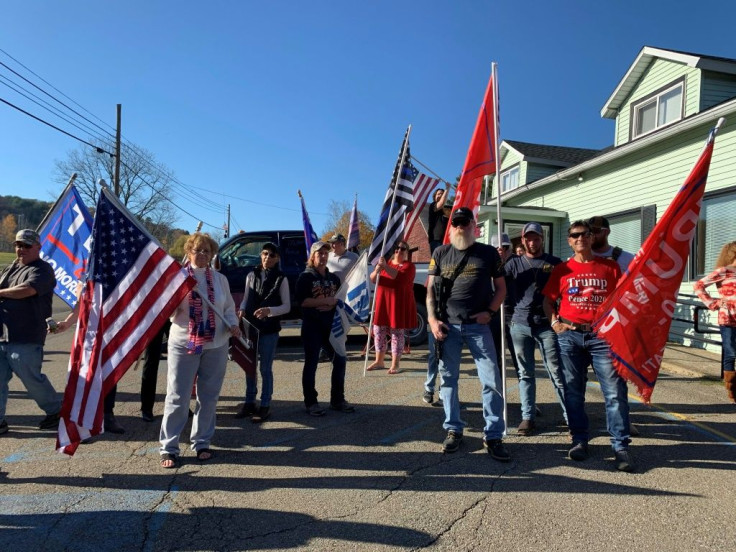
pixel 401 248
pixel 576 235
pixel 460 222
pixel 201 251
pixel 596 230
pixel 21 245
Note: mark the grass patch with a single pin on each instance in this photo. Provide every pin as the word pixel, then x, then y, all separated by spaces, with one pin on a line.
pixel 6 258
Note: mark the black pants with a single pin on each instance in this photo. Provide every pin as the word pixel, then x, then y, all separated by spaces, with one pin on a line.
pixel 151 360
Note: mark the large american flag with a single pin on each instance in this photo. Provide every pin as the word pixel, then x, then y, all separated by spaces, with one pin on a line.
pixel 398 200
pixel 423 185
pixel 132 287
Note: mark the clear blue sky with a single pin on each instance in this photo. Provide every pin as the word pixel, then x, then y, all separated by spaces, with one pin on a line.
pixel 251 100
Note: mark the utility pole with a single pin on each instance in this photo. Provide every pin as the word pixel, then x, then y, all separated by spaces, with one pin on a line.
pixel 117 153
pixel 227 225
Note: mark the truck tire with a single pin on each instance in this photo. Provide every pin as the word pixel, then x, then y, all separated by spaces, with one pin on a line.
pixel 418 335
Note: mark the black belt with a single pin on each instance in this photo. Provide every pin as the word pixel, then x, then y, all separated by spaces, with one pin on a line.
pixel 577 326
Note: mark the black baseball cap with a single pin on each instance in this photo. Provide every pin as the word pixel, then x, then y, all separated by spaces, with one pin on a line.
pixel 462 213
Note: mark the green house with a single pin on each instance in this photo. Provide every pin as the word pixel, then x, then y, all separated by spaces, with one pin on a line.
pixel 663 109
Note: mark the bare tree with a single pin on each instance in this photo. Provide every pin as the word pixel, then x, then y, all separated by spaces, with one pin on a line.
pixel 145 184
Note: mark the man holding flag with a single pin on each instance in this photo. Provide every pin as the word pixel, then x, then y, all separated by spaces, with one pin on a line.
pixel 26 291
pixel 576 288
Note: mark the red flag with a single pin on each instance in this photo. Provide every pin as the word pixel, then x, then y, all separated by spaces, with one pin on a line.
pixel 481 158
pixel 133 286
pixel 244 352
pixel 635 319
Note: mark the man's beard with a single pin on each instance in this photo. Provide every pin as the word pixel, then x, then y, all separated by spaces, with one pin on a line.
pixel 461 239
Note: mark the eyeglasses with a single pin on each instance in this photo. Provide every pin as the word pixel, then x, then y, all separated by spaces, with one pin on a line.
pixel 401 248
pixel 201 251
pixel 576 235
pixel 460 222
pixel 507 247
pixel 21 245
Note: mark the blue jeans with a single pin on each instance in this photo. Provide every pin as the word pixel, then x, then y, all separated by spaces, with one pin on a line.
pixel 266 353
pixel 728 347
pixel 316 336
pixel 524 338
pixel 480 344
pixel 432 364
pixel 24 360
pixel 578 350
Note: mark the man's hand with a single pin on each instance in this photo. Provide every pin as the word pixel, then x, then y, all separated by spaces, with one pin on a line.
pixel 561 327
pixel 235 331
pixel 439 329
pixel 483 317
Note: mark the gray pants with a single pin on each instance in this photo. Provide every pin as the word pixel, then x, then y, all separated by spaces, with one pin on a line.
pixel 209 369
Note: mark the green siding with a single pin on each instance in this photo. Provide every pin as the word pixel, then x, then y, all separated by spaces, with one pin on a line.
pixel 536 172
pixel 649 176
pixel 660 73
pixel 508 159
pixel 716 88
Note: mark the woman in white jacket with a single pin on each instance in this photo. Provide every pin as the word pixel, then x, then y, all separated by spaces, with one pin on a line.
pixel 197 348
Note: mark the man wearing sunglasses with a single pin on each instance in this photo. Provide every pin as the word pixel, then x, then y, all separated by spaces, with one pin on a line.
pixel 575 290
pixel 460 304
pixel 600 228
pixel 340 260
pixel 26 291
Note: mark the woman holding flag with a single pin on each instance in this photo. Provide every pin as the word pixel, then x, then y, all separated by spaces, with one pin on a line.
pixel 396 310
pixel 724 277
pixel 197 348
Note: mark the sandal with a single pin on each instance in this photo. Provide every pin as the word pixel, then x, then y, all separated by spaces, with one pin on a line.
pixel 375 366
pixel 169 458
pixel 202 452
pixel 396 371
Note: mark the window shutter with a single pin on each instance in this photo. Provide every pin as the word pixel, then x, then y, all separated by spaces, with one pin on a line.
pixel 648 220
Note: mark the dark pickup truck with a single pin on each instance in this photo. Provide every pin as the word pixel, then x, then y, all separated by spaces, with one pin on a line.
pixel 241 253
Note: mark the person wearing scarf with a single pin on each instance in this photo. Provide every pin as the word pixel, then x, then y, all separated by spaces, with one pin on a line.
pixel 197 349
pixel 265 300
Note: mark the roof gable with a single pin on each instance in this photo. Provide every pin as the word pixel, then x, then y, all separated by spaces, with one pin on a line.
pixel 644 60
pixel 561 156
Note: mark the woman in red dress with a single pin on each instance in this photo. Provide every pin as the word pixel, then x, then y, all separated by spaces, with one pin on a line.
pixel 396 310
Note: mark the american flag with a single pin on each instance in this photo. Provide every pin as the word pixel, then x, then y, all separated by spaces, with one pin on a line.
pixel 423 186
pixel 354 230
pixel 132 287
pixel 310 236
pixel 397 202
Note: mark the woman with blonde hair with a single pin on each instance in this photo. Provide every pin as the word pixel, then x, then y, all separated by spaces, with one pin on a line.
pixel 197 348
pixel 724 277
pixel 396 310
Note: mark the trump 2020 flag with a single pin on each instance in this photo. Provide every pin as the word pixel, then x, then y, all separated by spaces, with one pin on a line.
pixel 398 200
pixel 310 236
pixel 635 320
pixel 65 243
pixel 132 287
pixel 353 303
pixel 481 157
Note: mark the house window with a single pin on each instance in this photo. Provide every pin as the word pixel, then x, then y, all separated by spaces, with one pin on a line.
pixel 716 227
pixel 510 179
pixel 660 109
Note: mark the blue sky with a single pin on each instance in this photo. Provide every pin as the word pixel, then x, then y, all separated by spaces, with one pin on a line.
pixel 247 101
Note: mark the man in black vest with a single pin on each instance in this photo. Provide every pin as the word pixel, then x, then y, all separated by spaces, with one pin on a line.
pixel 265 300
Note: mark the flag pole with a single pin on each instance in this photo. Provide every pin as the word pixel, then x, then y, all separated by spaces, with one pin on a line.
pixel 72 178
pixel 499 218
pixel 383 245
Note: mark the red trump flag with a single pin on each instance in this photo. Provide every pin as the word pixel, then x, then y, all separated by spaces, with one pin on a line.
pixel 481 158
pixel 635 320
pixel 132 287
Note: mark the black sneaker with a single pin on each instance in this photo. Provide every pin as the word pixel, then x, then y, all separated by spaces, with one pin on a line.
pixel 452 441
pixel 3 427
pixel 315 410
pixel 112 425
pixel 49 422
pixel 344 406
pixel 624 461
pixel 428 397
pixel 578 452
pixel 262 415
pixel 246 411
pixel 146 415
pixel 497 449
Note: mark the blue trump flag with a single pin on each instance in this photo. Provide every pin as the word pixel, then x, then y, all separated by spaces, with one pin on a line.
pixel 65 243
